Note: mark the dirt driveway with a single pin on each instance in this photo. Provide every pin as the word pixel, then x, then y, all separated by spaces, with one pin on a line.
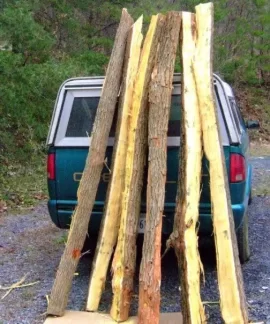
pixel 31 245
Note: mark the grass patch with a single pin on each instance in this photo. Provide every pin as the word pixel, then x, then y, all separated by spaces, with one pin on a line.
pixel 254 104
pixel 259 149
pixel 23 185
pixel 261 190
pixel 62 239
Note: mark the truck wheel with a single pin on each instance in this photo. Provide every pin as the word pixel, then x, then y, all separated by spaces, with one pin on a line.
pixel 242 240
pixel 90 244
pixel 250 197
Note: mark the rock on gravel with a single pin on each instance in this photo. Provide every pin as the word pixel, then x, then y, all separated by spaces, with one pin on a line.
pixel 30 244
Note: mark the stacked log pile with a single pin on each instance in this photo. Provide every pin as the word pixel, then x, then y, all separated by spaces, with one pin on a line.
pixel 143 72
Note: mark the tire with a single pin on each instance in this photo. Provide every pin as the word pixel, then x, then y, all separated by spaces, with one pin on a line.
pixel 250 197
pixel 243 240
pixel 90 245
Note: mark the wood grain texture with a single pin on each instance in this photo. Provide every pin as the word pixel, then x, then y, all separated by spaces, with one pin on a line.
pixel 124 261
pixel 91 175
pixel 184 237
pixel 159 108
pixel 230 282
pixel 111 217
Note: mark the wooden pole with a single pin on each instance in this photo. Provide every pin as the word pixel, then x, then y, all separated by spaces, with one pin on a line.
pixel 160 104
pixel 230 282
pixel 184 238
pixel 111 218
pixel 125 254
pixel 91 175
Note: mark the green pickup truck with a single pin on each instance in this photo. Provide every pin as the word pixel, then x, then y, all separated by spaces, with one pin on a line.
pixel 70 135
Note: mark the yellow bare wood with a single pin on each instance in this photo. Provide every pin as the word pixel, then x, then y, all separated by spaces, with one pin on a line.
pixel 123 266
pixel 188 196
pixel 111 218
pixel 230 282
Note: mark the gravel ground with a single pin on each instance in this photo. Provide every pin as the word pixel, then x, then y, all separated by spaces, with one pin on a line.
pixel 30 244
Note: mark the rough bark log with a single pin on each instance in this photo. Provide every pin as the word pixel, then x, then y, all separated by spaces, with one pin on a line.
pixel 91 175
pixel 230 282
pixel 111 218
pixel 124 262
pixel 184 237
pixel 160 103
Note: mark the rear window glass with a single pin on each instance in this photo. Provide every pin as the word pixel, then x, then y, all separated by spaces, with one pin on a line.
pixel 83 113
pixel 174 122
pixel 82 117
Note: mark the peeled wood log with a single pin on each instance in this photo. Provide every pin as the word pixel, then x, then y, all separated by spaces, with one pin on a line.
pixel 230 282
pixel 111 218
pixel 91 175
pixel 124 261
pixel 184 237
pixel 160 103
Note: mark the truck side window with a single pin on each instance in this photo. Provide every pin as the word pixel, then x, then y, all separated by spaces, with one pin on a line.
pixel 240 116
pixel 237 119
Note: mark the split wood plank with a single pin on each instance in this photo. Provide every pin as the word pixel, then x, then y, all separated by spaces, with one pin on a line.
pixel 230 281
pixel 124 261
pixel 111 217
pixel 91 175
pixel 160 103
pixel 184 237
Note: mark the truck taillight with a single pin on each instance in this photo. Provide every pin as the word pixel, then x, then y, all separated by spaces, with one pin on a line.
pixel 51 166
pixel 237 168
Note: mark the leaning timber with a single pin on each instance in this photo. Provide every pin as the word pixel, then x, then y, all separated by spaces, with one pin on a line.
pixel 124 261
pixel 184 238
pixel 111 218
pixel 232 295
pixel 160 102
pixel 91 175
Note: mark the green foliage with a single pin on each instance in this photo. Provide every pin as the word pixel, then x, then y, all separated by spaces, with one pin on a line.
pixel 27 97
pixel 27 37
pixel 48 41
pixel 242 43
pixel 22 185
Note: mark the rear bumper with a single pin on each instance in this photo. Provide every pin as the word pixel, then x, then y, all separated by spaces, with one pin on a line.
pixel 206 227
pixel 61 212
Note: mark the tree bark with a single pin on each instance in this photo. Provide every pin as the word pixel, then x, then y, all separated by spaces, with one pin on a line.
pixel 124 261
pixel 91 175
pixel 160 103
pixel 184 237
pixel 230 282
pixel 111 218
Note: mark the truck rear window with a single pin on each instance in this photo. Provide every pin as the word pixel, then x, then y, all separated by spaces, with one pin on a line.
pixel 76 107
pixel 83 114
pixel 82 117
pixel 174 121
